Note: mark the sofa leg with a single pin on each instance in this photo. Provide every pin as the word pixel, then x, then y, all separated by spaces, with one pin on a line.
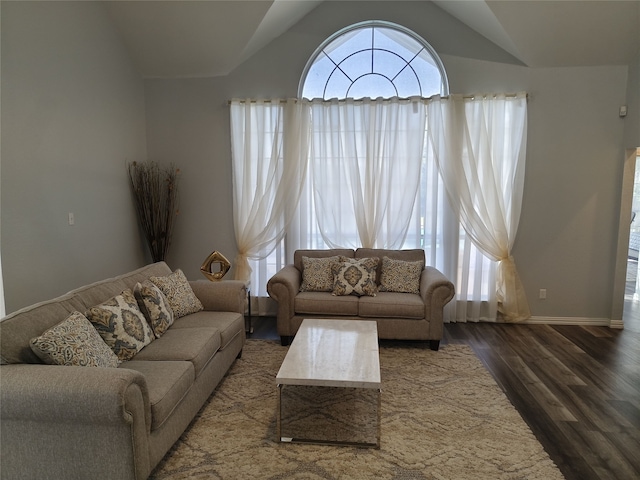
pixel 434 345
pixel 239 354
pixel 285 340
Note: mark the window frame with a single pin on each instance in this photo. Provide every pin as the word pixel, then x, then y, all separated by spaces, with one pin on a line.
pixel 444 90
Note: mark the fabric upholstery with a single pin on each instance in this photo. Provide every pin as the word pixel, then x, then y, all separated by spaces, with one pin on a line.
pixel 399 315
pixel 105 413
pixel 18 328
pixel 155 306
pixel 195 345
pixel 355 276
pixel 391 305
pixel 228 324
pixel 179 293
pixel 400 276
pixel 121 324
pixel 324 303
pixel 75 342
pixel 168 382
pixel 317 274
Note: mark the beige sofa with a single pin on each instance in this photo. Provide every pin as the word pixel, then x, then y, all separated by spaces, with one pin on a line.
pixel 80 422
pixel 399 315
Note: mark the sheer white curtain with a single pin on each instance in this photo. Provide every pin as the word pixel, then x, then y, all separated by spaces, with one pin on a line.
pixel 479 145
pixel 269 156
pixel 366 157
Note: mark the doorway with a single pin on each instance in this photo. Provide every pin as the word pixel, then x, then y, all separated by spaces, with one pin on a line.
pixel 631 309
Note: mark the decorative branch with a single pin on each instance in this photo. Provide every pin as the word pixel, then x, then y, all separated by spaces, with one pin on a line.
pixel 155 194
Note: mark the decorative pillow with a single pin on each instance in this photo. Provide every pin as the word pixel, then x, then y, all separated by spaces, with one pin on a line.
pixel 179 293
pixel 75 342
pixel 400 276
pixel 121 325
pixel 155 306
pixel 355 276
pixel 317 275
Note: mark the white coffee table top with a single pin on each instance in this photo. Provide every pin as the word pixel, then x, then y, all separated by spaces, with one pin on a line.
pixel 333 353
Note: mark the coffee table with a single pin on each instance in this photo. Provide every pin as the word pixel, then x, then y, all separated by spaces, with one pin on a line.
pixel 332 353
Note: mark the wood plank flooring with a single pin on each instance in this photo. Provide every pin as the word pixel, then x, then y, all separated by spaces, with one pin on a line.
pixel 577 387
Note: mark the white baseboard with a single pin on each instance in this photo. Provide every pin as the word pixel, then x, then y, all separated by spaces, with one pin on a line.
pixel 585 321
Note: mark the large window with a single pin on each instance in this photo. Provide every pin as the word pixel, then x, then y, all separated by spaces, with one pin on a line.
pixel 374 59
pixel 365 186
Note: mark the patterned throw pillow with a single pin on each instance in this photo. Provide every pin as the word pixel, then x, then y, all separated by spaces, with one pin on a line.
pixel 400 276
pixel 355 276
pixel 75 342
pixel 155 306
pixel 317 275
pixel 179 293
pixel 121 325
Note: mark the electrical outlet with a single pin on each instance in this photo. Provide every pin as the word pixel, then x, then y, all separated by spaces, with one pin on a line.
pixel 543 293
pixel 72 218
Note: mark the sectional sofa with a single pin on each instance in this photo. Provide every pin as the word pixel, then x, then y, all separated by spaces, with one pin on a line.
pixel 118 417
pixel 393 287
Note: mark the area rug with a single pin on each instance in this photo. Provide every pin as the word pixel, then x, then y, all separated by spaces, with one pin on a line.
pixel 443 417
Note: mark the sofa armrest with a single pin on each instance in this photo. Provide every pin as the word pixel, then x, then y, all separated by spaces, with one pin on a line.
pixel 283 287
pixel 436 291
pixel 73 422
pixel 222 296
pixel 64 394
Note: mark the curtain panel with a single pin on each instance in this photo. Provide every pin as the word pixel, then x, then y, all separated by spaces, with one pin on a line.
pixel 479 144
pixel 441 174
pixel 269 149
pixel 365 159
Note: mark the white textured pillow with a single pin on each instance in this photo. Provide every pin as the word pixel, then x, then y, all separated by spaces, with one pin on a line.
pixel 74 342
pixel 179 293
pixel 121 325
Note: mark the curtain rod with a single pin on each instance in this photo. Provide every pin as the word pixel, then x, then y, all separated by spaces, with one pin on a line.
pixel 466 97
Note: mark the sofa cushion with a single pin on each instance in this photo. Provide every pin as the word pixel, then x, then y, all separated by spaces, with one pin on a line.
pixel 167 384
pixel 229 324
pixel 155 306
pixel 392 305
pixel 179 293
pixel 121 324
pixel 74 341
pixel 195 345
pixel 400 276
pixel 355 276
pixel 317 274
pixel 324 303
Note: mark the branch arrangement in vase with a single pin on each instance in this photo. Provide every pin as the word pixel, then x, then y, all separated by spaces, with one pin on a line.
pixel 155 195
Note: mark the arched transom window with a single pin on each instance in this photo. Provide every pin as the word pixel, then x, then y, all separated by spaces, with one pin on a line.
pixel 374 59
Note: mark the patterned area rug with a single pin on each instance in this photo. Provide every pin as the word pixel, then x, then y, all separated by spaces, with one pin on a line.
pixel 443 417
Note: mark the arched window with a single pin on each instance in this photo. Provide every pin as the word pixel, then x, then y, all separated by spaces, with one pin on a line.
pixel 374 59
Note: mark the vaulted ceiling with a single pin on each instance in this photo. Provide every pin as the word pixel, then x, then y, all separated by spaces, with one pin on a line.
pixel 212 37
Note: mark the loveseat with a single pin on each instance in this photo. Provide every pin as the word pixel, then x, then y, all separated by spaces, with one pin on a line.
pixel 406 298
pixel 115 421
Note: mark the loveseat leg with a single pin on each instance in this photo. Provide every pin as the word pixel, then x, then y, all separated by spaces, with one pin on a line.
pixel 239 354
pixel 285 340
pixel 434 345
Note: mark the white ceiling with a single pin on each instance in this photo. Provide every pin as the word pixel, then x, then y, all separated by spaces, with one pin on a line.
pixel 185 38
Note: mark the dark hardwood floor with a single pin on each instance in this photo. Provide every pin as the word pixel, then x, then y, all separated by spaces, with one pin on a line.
pixel 577 387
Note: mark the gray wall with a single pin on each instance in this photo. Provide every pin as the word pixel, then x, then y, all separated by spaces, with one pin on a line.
pixel 568 231
pixel 72 116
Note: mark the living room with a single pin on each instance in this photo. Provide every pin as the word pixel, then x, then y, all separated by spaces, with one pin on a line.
pixel 80 101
